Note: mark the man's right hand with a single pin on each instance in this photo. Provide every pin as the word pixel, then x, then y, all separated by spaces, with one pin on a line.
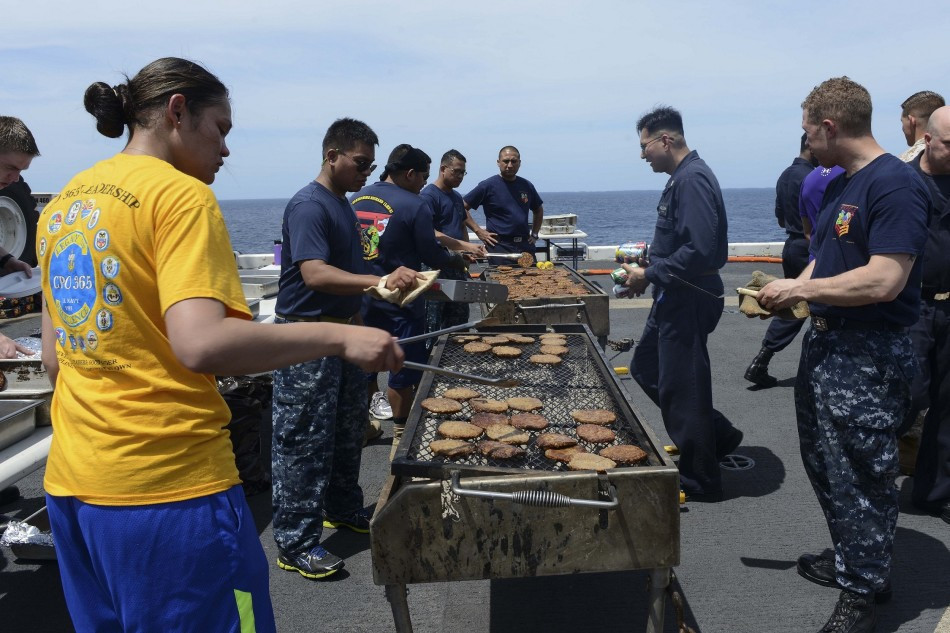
pixel 402 279
pixel 486 237
pixel 372 349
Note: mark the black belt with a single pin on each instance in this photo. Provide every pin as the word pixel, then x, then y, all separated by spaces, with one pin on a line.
pixel 931 294
pixel 827 324
pixel 314 319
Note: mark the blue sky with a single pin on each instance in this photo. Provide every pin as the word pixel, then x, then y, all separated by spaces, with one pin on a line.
pixel 563 81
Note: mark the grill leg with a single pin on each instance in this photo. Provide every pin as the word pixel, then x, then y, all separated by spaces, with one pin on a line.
pixel 398 600
pixel 659 581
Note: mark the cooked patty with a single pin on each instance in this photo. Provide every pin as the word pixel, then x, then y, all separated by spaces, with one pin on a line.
pixel 487 404
pixel 507 434
pixel 499 450
pixel 485 419
pixel 520 339
pixel 556 350
pixel 554 440
pixel 545 359
pixel 529 421
pixel 498 339
pixel 563 454
pixel 594 416
pixel 589 461
pixel 476 347
pixel 595 434
pixel 441 405
pixel 524 404
pixel 506 351
pixel 624 453
pixel 456 430
pixel 465 338
pixel 460 393
pixel 451 448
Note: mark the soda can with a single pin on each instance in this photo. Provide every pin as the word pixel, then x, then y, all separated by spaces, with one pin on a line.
pixel 619 276
pixel 632 252
pixel 621 292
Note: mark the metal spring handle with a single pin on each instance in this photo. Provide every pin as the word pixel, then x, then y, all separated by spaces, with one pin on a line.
pixel 536 498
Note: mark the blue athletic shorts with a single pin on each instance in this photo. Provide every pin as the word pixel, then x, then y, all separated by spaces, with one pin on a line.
pixel 401 326
pixel 194 565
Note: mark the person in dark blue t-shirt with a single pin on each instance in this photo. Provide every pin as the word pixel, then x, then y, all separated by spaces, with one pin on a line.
pixel 448 217
pixel 319 410
pixel 507 198
pixel 853 387
pixel 398 231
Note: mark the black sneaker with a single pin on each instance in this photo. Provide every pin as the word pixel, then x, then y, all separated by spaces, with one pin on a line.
pixel 729 444
pixel 820 569
pixel 315 564
pixel 358 522
pixel 854 613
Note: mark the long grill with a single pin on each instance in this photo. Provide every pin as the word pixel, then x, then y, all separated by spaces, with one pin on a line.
pixel 581 381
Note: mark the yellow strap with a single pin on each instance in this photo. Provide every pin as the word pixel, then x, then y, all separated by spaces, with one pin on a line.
pixel 245 607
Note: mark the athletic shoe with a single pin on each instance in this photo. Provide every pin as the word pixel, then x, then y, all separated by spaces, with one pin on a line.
pixel 379 406
pixel 373 430
pixel 315 564
pixel 358 522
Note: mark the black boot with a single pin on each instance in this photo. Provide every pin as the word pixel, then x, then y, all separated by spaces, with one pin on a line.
pixel 758 371
pixel 854 613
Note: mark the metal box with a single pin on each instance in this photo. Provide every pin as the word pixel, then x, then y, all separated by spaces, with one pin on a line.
pixel 17 420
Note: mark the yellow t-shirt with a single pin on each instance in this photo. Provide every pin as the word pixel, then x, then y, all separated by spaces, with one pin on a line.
pixel 120 244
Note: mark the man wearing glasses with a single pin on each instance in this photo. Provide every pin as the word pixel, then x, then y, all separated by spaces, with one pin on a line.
pixel 507 198
pixel 448 217
pixel 671 362
pixel 319 410
pixel 397 223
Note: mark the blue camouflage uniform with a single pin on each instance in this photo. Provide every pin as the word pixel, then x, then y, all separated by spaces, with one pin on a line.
pixel 671 362
pixel 319 407
pixel 857 363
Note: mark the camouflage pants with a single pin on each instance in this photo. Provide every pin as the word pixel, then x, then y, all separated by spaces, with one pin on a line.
pixel 319 416
pixel 442 314
pixel 852 392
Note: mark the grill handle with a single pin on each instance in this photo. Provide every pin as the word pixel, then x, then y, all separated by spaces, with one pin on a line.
pixel 536 498
pixel 547 306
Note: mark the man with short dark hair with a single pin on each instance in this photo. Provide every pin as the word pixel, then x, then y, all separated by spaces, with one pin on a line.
pixel 507 198
pixel 853 387
pixel 931 333
pixel 319 407
pixel 915 112
pixel 671 361
pixel 782 332
pixel 397 223
pixel 448 218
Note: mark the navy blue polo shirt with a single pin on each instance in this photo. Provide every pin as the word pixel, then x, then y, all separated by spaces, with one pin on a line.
pixel 787 192
pixel 691 238
pixel 936 266
pixel 318 224
pixel 506 204
pixel 882 209
pixel 448 211
pixel 398 231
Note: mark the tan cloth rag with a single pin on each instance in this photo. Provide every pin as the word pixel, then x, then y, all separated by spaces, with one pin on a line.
pixel 750 306
pixel 402 298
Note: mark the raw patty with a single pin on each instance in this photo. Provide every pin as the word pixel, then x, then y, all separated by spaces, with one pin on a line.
pixel 524 404
pixel 624 453
pixel 520 339
pixel 459 430
pixel 556 350
pixel 594 416
pixel 595 434
pixel 589 461
pixel 460 393
pixel 529 421
pixel 441 405
pixel 545 359
pixel 499 339
pixel 554 440
pixel 476 347
pixel 451 448
pixel 506 351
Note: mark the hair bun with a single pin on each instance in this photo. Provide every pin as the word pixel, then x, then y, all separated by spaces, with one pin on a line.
pixel 106 104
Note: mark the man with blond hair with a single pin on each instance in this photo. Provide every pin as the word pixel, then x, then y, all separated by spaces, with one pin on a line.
pixel 853 387
pixel 915 112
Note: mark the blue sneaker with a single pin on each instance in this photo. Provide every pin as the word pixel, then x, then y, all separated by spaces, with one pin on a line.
pixel 315 564
pixel 358 522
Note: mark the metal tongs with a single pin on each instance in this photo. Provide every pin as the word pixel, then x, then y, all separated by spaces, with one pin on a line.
pixel 489 322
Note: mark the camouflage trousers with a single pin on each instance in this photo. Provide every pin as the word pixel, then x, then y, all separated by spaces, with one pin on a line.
pixel 319 416
pixel 852 392
pixel 442 314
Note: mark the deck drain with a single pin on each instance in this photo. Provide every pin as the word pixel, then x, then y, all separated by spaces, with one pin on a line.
pixel 736 462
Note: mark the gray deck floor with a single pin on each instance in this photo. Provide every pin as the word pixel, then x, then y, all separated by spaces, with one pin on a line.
pixel 737 573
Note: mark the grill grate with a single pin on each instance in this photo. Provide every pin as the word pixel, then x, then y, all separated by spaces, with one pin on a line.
pixel 581 381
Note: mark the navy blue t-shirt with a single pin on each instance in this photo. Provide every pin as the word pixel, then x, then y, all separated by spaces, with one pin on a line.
pixel 397 231
pixel 448 211
pixel 318 224
pixel 935 276
pixel 880 210
pixel 506 204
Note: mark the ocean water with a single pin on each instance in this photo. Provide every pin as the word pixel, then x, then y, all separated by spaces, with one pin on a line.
pixel 608 217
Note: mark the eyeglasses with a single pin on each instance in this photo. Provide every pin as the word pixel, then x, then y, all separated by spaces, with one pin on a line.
pixel 456 171
pixel 509 161
pixel 363 165
pixel 644 146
